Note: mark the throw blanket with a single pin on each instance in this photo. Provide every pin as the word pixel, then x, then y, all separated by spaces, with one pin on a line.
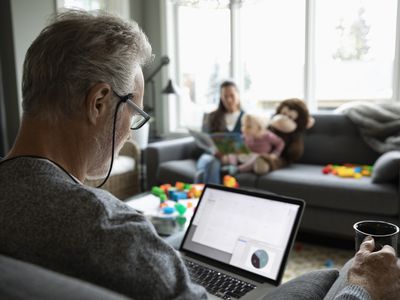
pixel 379 124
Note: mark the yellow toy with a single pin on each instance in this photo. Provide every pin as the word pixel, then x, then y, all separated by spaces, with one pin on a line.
pixel 348 170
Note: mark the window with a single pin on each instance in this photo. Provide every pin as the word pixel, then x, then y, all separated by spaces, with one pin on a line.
pixel 82 4
pixel 118 7
pixel 272 52
pixel 355 48
pixel 326 52
pixel 204 58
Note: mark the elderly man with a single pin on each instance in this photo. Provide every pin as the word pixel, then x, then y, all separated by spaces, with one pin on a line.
pixel 82 93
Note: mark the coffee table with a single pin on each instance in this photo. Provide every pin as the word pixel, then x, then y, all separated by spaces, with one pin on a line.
pixel 165 224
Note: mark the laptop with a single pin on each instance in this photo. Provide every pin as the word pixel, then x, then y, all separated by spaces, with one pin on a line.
pixel 238 241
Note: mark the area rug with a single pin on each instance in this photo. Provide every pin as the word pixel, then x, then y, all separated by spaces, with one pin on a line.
pixel 308 257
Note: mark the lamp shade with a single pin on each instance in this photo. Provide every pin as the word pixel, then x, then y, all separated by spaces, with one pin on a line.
pixel 169 89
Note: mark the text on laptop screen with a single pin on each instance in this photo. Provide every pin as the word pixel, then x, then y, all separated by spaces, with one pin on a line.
pixel 245 231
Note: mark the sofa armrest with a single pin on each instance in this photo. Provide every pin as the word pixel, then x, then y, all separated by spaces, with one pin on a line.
pixel 131 149
pixel 157 153
pixel 124 178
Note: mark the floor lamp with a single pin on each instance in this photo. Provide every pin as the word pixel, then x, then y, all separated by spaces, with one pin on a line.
pixel 169 89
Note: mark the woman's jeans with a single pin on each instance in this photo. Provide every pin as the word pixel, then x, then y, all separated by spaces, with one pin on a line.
pixel 211 167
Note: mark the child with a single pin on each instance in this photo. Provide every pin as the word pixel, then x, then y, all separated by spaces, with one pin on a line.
pixel 259 140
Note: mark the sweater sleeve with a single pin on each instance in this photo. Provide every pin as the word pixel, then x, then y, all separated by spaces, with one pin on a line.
pixel 129 257
pixel 276 142
pixel 353 292
pixel 248 140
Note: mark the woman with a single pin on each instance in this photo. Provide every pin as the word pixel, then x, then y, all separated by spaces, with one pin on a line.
pixel 226 118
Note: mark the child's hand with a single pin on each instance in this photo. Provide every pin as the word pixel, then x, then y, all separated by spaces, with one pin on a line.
pixel 273 156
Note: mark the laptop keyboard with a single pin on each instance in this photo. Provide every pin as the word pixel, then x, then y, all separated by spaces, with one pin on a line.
pixel 217 283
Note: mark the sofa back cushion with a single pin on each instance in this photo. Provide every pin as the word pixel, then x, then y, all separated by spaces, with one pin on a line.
pixel 335 139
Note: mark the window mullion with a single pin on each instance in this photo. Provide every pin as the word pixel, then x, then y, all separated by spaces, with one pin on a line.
pixel 235 71
pixel 309 60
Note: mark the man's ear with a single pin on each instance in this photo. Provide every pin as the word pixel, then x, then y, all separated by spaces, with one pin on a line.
pixel 96 101
pixel 310 122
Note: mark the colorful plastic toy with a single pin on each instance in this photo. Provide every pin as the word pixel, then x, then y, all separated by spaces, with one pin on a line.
pixel 180 186
pixel 348 170
pixel 230 181
pixel 298 247
pixel 176 195
pixel 168 210
pixel 179 191
pixel 181 209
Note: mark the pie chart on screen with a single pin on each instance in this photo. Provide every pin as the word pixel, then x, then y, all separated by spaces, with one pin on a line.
pixel 259 259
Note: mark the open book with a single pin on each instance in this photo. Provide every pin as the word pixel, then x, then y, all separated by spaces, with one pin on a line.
pixel 223 142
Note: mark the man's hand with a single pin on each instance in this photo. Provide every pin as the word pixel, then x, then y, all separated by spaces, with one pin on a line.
pixel 377 272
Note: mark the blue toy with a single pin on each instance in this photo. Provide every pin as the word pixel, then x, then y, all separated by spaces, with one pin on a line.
pixel 168 210
pixel 329 263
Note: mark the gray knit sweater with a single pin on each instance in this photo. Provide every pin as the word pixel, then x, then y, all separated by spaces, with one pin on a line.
pixel 49 219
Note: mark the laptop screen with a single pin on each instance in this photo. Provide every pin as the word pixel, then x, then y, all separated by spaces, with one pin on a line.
pixel 250 231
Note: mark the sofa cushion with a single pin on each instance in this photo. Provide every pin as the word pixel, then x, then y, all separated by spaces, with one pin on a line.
pixel 335 139
pixel 328 191
pixel 178 170
pixel 312 285
pixel 387 167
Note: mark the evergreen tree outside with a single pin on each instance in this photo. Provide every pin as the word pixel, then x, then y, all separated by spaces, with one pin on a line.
pixel 353 38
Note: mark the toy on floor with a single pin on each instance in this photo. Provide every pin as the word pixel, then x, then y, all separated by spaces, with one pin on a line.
pixel 298 247
pixel 329 263
pixel 230 181
pixel 348 170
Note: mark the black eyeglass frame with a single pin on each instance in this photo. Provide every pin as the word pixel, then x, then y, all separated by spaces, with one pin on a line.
pixel 127 99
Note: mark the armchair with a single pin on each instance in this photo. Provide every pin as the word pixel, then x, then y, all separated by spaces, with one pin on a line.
pixel 124 178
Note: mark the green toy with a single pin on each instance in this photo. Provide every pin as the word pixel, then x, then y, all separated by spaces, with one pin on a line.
pixel 181 209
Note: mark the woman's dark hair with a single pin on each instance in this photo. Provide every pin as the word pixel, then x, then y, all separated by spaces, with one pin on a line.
pixel 216 119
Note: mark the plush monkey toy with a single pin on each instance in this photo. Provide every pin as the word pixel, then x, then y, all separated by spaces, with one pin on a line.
pixel 290 123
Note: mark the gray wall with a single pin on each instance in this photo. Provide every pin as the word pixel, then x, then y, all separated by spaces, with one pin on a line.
pixel 22 20
pixel 28 19
pixel 10 108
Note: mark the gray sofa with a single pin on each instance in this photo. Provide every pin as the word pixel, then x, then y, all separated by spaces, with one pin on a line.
pixel 333 204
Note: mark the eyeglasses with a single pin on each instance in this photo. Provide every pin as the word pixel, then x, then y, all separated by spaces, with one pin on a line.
pixel 140 117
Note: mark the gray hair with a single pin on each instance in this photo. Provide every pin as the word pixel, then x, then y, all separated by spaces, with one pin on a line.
pixel 76 51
